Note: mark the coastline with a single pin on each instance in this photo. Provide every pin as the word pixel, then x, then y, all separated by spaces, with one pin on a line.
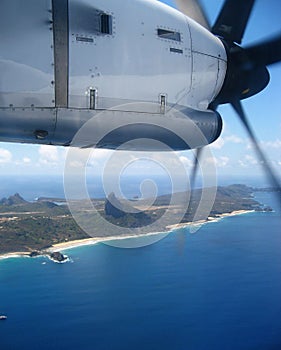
pixel 95 240
pixel 14 255
pixel 210 219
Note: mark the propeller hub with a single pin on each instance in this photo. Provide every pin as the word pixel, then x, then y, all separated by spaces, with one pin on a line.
pixel 244 78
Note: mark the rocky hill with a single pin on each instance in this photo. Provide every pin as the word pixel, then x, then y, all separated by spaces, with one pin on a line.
pixel 16 199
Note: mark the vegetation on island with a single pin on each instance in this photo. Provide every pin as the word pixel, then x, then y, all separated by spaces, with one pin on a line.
pixel 34 226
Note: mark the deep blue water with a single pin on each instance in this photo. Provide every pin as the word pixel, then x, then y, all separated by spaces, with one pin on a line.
pixel 217 289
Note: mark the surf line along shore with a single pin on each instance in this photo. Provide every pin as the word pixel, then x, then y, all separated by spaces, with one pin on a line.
pixel 94 240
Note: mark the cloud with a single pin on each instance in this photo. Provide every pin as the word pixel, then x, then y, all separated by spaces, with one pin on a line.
pixel 138 162
pixel 272 144
pixel 218 144
pixel 102 154
pixel 5 156
pixel 220 162
pixel 99 157
pixel 222 141
pixel 48 155
pixel 26 160
pixel 76 164
pixel 186 161
pixel 248 161
pixel 275 145
pixel 234 139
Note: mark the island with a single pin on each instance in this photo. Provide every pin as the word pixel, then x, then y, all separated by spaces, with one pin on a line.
pixel 46 225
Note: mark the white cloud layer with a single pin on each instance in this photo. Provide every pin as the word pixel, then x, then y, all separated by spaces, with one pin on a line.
pixel 51 155
pixel 272 144
pixel 222 141
pixel 218 144
pixel 5 156
pixel 234 139
pixel 26 160
pixel 248 161
pixel 220 162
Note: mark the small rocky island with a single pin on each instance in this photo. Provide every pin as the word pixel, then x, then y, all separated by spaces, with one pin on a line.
pixel 55 256
pixel 34 227
pixel 58 257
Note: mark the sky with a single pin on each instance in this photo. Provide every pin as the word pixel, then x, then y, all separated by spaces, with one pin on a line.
pixel 233 154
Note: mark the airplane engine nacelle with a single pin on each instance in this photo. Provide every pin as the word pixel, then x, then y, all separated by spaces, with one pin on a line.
pixel 177 129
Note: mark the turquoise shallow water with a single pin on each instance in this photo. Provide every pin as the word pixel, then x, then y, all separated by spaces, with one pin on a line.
pixel 217 289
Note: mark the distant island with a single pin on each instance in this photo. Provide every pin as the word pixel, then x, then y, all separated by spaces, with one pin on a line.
pixel 46 225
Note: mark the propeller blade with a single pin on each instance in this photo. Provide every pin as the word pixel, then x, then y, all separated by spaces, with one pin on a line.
pixel 194 10
pixel 181 236
pixel 197 158
pixel 265 53
pixel 232 20
pixel 236 104
pixel 192 200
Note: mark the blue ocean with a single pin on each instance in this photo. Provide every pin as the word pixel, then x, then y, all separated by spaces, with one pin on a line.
pixel 217 289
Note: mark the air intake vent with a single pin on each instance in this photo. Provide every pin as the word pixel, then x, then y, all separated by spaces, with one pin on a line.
pixel 105 24
pixel 168 34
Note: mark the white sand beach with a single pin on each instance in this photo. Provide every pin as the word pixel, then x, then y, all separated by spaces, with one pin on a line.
pixel 94 240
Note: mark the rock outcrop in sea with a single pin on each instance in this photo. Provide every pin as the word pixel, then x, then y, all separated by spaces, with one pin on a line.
pixel 58 257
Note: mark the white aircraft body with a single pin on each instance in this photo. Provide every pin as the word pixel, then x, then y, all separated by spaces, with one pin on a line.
pixel 63 62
